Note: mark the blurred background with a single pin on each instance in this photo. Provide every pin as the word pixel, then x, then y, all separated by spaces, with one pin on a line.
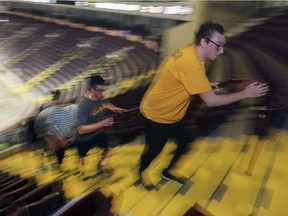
pixel 47 45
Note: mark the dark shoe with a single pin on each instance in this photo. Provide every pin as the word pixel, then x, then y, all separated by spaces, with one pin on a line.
pixel 167 176
pixel 148 186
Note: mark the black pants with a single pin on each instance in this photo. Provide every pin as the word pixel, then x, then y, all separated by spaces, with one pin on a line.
pixel 60 155
pixel 83 147
pixel 61 152
pixel 101 140
pixel 157 135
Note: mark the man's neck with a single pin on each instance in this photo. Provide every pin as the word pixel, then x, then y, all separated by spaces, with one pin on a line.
pixel 91 97
pixel 200 52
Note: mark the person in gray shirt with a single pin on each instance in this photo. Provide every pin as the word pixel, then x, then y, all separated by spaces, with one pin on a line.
pixel 91 124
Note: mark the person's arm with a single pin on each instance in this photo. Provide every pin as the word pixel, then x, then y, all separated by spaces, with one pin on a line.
pixel 251 91
pixel 63 141
pixel 84 129
pixel 114 108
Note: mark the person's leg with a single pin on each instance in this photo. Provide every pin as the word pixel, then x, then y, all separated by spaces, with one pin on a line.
pixel 60 152
pixel 156 138
pixel 83 148
pixel 102 140
pixel 181 141
pixel 182 144
pixel 60 155
pixel 52 142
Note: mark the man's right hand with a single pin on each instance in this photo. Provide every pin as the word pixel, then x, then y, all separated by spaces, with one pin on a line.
pixel 107 122
pixel 256 89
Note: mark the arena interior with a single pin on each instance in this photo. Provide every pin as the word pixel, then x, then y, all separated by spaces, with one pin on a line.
pixel 236 161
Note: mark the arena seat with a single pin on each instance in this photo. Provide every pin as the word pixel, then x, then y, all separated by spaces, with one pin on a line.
pixel 42 200
pixel 8 180
pixel 42 191
pixel 44 206
pixel 92 204
pixel 15 185
pixel 3 175
pixel 8 197
pixel 273 45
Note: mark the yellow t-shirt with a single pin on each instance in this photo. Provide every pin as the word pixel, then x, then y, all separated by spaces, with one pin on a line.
pixel 179 76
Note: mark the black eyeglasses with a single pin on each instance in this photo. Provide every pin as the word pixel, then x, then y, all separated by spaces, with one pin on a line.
pixel 99 90
pixel 218 46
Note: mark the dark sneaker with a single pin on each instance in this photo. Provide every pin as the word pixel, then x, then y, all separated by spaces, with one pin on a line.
pixel 167 176
pixel 147 186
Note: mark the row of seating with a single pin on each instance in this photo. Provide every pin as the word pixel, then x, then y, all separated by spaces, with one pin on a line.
pixel 273 71
pixel 55 56
pixel 48 199
pixel 22 196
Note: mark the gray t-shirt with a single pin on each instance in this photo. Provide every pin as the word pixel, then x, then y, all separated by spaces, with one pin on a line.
pixel 89 112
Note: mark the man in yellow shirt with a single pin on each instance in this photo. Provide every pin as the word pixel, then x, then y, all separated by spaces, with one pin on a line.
pixel 166 101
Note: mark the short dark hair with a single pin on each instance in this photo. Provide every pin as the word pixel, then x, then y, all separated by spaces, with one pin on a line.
pixel 96 80
pixel 55 94
pixel 207 29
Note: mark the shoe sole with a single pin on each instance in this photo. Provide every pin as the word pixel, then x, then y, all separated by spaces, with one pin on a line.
pixel 166 178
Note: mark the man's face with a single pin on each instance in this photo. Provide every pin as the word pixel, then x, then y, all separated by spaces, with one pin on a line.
pixel 214 46
pixel 98 91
